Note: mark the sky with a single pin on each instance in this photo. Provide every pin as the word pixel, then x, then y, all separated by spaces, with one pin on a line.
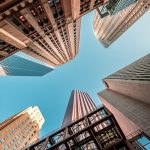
pixel 85 72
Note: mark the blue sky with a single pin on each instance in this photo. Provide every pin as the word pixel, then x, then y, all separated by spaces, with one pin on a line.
pixel 85 72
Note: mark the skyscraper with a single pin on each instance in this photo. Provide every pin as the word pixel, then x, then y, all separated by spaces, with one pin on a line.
pixel 41 28
pixel 48 30
pixel 128 91
pixel 20 66
pixel 21 129
pixel 111 27
pixel 82 7
pixel 87 127
pixel 114 6
pixel 79 105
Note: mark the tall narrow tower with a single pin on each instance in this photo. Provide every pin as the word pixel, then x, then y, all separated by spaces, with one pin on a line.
pixel 79 105
pixel 89 128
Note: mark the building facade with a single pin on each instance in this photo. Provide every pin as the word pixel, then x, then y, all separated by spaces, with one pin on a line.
pixel 48 30
pixel 41 28
pixel 81 129
pixel 128 91
pixel 20 66
pixel 111 27
pixel 115 6
pixel 21 129
pixel 79 105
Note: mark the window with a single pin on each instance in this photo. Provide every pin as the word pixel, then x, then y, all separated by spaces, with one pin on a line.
pixel 14 148
pixel 12 142
pixel 6 147
pixel 16 22
pixel 16 137
pixel 2 140
pixel 22 18
pixel 19 142
pixel 8 135
pixel 142 142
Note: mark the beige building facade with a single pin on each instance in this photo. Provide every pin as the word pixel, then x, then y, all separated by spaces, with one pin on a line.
pixel 110 28
pixel 21 129
pixel 48 30
pixel 41 28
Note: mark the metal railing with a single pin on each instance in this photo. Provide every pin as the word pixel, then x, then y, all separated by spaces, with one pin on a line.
pixel 94 129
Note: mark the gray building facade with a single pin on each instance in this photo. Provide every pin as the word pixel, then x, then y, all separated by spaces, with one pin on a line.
pixel 115 6
pixel 128 90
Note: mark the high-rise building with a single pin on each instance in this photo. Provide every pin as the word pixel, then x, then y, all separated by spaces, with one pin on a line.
pixel 41 28
pixel 114 6
pixel 21 129
pixel 128 91
pixel 79 105
pixel 87 127
pixel 48 30
pixel 82 7
pixel 20 66
pixel 111 27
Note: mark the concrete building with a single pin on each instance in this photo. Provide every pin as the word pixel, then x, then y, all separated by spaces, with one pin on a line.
pixel 41 28
pixel 128 91
pixel 48 30
pixel 82 7
pixel 111 27
pixel 21 129
pixel 20 66
pixel 81 129
pixel 79 105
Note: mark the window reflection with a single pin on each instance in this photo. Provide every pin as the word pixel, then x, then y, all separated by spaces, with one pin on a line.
pixel 142 143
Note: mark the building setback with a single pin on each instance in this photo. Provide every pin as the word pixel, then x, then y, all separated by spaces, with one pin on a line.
pixel 20 66
pixel 21 129
pixel 111 27
pixel 128 91
pixel 48 30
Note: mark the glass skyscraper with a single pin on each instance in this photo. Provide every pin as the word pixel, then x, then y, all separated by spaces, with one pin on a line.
pixel 20 66
pixel 116 5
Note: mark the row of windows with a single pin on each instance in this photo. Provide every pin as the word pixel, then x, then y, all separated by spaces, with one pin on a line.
pixel 64 35
pixel 137 11
pixel 97 2
pixel 35 52
pixel 8 48
pixel 45 45
pixel 14 143
pixel 84 6
pixel 141 143
pixel 10 133
pixel 75 35
pixel 13 10
pixel 57 44
pixel 56 7
pixel 38 13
